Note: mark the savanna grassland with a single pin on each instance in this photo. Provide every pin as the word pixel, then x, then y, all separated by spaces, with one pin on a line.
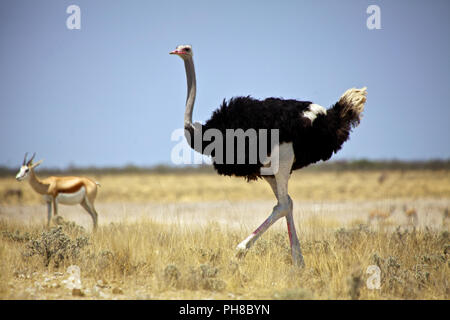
pixel 173 236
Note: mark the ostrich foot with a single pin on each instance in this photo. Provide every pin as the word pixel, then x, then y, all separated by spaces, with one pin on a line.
pixel 241 253
pixel 298 261
pixel 241 250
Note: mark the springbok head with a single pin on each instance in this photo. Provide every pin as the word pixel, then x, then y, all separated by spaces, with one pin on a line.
pixel 26 167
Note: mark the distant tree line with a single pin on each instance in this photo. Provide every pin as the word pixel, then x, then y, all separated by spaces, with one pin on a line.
pixel 337 165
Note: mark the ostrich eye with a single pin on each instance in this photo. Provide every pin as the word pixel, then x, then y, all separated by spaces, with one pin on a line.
pixel 187 49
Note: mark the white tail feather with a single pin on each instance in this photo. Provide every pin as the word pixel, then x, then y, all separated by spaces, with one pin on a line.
pixel 353 100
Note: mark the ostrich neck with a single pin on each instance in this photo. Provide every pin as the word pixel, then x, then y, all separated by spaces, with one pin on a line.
pixel 191 91
pixel 37 184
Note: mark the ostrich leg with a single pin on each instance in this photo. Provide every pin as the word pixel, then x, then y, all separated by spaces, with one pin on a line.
pixel 276 214
pixel 282 179
pixel 296 252
pixel 279 185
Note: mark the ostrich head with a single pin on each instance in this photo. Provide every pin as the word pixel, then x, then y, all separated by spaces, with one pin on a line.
pixel 26 167
pixel 183 51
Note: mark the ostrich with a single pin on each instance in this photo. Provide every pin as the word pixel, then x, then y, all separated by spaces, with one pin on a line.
pixel 307 133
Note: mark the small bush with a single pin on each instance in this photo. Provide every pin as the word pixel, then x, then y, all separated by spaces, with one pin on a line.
pixel 55 246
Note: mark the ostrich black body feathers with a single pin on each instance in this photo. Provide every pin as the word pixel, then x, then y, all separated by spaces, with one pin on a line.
pixel 312 140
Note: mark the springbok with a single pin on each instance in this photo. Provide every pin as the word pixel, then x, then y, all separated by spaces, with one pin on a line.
pixel 64 190
pixel 380 215
pixel 411 215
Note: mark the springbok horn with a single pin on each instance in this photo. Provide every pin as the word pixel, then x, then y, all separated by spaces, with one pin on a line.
pixel 34 165
pixel 31 160
pixel 25 159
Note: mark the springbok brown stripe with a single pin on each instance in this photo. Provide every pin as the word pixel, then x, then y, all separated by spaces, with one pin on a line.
pixel 72 189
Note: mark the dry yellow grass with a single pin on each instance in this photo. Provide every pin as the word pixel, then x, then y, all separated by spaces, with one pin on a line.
pixel 315 186
pixel 182 245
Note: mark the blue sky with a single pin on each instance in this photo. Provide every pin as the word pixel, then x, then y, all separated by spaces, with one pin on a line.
pixel 109 94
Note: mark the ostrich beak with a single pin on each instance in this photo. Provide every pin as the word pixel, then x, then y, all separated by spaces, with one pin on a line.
pixel 178 52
